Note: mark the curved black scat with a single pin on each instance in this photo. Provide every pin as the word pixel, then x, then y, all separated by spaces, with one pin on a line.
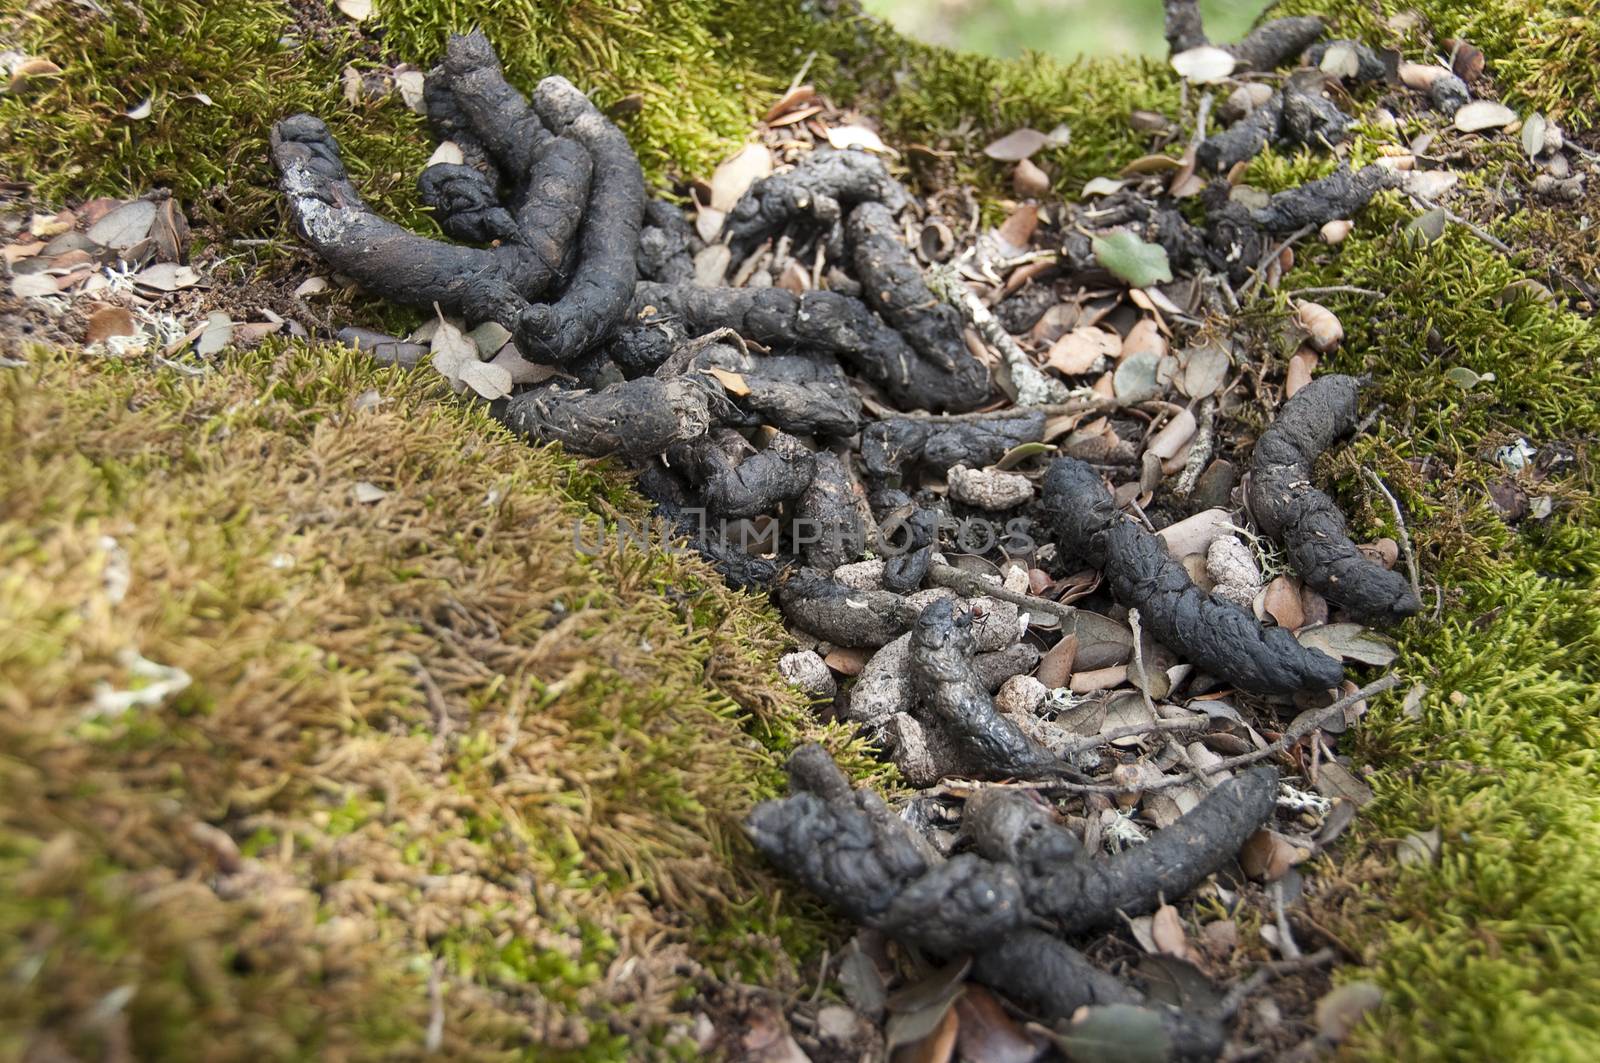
pixel 636 418
pixel 814 323
pixel 831 518
pixel 666 244
pixel 801 395
pixel 736 484
pixel 387 260
pixel 606 268
pixel 1215 635
pixel 472 96
pixel 889 446
pixel 1305 521
pixel 816 604
pixel 466 204
pixel 892 284
pixel 1339 195
pixel 1080 892
pixel 848 848
pixel 1270 44
pixel 954 699
pixel 819 190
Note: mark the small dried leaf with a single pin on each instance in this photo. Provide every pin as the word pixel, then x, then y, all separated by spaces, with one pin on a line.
pixel 1016 146
pixel 140 111
pixel 1115 1033
pixel 1321 325
pixel 1351 642
pixel 1484 114
pixel 1029 181
pixel 1343 1008
pixel 357 10
pixel 1533 130
pixel 110 321
pixel 166 277
pixel 988 1034
pixel 1334 232
pixel 217 334
pixel 1204 65
pixel 1205 370
pixel 1083 350
pixel 1420 76
pixel 125 226
pixel 1267 856
pixel 1151 164
pixel 367 493
pixel 1166 929
pixel 855 136
pixel 311 286
pixel 448 151
pixel 1135 378
pixel 487 379
pixel 1281 601
pixel 410 83
pixel 453 352
pixel 1103 186
pixel 734 382
pixel 1301 367
pixel 1173 437
pixel 1133 260
pixel 1021 453
pixel 733 176
pixel 1018 228
pixel 24 285
pixel 1055 667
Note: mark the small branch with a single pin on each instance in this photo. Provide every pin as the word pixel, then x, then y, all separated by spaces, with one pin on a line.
pixel 1338 289
pixel 1286 942
pixel 1205 442
pixel 1483 234
pixel 1259 277
pixel 433 1040
pixel 1400 532
pixel 1289 738
pixel 1032 386
pixel 1236 996
pixel 972 586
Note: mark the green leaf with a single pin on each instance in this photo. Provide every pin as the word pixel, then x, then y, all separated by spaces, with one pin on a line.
pixel 1116 1033
pixel 1465 378
pixel 1021 453
pixel 1133 260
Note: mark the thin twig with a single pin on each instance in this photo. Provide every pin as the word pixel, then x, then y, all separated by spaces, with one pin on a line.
pixel 1483 234
pixel 1338 289
pixel 1400 532
pixel 972 586
pixel 1286 942
pixel 1205 441
pixel 1235 998
pixel 1033 388
pixel 433 1040
pixel 1295 732
pixel 1259 277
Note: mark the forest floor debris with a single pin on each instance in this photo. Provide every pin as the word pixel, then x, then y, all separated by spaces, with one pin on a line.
pixel 727 372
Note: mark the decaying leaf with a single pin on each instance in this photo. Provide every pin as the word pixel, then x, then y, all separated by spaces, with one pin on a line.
pixel 1016 145
pixel 1133 260
pixel 1351 642
pixel 1204 65
pixel 920 1008
pixel 856 136
pixel 1268 856
pixel 356 10
pixel 1083 350
pixel 1484 114
pixel 217 334
pixel 734 175
pixel 125 226
pixel 734 382
pixel 1102 186
pixel 1343 1008
pixel 1419 847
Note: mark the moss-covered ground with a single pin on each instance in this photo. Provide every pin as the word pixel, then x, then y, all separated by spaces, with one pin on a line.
pixel 566 848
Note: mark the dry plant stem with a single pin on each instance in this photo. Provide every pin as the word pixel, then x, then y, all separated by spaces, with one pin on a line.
pixel 1032 386
pixel 1205 442
pixel 1235 998
pixel 971 586
pixel 1483 234
pixel 1259 277
pixel 1134 730
pixel 1286 942
pixel 1400 533
pixel 1289 738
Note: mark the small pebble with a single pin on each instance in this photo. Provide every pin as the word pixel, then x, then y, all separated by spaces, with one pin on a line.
pixel 807 671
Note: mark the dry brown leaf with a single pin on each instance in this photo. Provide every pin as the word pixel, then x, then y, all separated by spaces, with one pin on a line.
pixel 1098 679
pixel 1280 600
pixel 734 382
pixel 1334 232
pixel 1321 325
pixel 1420 76
pixel 1029 181
pixel 795 98
pixel 110 321
pixel 1166 929
pixel 845 137
pixel 1083 350
pixel 356 10
pixel 1267 856
pixel 988 1034
pixel 1480 115
pixel 847 660
pixel 125 226
pixel 1055 667
pixel 1301 367
pixel 1017 230
pixel 1173 437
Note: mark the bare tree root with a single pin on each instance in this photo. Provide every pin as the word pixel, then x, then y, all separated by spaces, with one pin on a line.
pixel 1216 635
pixel 1307 522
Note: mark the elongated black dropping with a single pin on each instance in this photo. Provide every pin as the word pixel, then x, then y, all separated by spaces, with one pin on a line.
pixel 1216 635
pixel 1305 521
pixel 1081 891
